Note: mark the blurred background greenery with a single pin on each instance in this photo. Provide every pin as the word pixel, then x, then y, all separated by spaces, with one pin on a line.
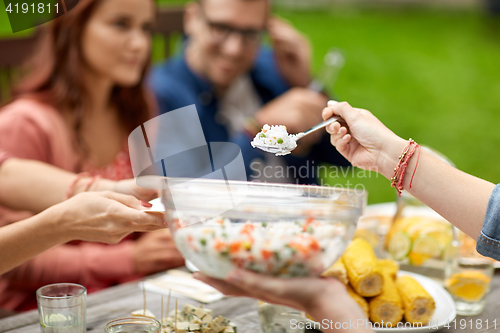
pixel 429 74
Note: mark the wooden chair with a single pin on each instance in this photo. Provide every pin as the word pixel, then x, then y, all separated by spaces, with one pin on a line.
pixel 16 50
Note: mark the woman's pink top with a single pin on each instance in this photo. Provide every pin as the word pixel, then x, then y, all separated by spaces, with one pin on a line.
pixel 32 130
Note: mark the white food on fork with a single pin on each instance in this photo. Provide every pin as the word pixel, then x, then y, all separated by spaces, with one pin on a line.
pixel 276 140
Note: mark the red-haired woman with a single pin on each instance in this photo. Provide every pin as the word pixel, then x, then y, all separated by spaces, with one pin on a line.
pixel 75 109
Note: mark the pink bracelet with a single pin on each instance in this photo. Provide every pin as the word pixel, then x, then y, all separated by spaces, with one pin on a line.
pixel 397 179
pixel 69 192
pixel 91 182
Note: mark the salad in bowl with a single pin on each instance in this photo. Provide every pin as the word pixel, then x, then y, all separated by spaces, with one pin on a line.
pixel 274 229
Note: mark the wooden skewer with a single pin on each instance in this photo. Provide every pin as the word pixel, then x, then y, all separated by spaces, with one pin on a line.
pixel 144 295
pixel 168 302
pixel 161 312
pixel 175 320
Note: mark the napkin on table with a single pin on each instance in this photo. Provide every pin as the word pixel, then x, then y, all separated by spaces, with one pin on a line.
pixel 183 285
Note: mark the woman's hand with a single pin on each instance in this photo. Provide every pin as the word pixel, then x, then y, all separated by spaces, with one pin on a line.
pixel 365 141
pixel 105 217
pixel 322 298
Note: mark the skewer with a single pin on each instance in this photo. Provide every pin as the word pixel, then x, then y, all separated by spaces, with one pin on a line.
pixel 175 320
pixel 144 295
pixel 168 302
pixel 161 312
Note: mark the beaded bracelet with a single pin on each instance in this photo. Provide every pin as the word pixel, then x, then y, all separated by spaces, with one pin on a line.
pixel 397 179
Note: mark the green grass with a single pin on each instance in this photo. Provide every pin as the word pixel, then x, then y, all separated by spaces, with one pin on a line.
pixel 4 21
pixel 430 75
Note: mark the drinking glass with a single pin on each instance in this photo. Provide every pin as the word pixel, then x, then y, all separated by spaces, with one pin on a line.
pixel 133 325
pixel 62 308
pixel 468 281
pixel 280 319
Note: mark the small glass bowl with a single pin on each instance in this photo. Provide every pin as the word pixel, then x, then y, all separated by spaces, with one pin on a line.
pixel 133 325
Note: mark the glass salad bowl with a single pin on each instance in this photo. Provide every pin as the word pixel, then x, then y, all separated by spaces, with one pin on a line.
pixel 274 229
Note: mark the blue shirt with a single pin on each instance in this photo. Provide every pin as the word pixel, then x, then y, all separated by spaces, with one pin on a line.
pixel 176 86
pixel 488 242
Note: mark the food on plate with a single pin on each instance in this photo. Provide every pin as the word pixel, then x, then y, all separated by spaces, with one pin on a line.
pixel 338 271
pixel 468 285
pixel 399 298
pixel 418 305
pixel 418 239
pixel 275 136
pixel 360 300
pixel 362 268
pixel 143 313
pixel 388 266
pixel 286 249
pixel 197 320
pixel 387 308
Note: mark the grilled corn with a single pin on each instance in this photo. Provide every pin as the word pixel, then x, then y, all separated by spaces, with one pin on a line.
pixel 388 266
pixel 387 308
pixel 338 271
pixel 418 305
pixel 362 268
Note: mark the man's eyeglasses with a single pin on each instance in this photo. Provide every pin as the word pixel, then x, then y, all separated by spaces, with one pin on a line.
pixel 220 32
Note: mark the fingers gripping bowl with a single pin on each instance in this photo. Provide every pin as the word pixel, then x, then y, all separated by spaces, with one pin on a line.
pixel 274 229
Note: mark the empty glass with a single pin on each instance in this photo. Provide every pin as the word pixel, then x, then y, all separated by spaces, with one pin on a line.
pixel 62 308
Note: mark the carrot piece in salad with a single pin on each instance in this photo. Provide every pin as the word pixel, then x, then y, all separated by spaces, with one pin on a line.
pixel 266 254
pixel 314 245
pixel 219 245
pixel 234 247
pixel 309 221
pixel 247 229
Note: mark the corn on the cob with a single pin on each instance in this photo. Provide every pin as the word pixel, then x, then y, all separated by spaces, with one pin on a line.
pixel 362 268
pixel 388 266
pixel 338 271
pixel 418 305
pixel 387 308
pixel 360 300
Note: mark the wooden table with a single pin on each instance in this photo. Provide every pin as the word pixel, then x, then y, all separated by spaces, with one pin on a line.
pixel 119 301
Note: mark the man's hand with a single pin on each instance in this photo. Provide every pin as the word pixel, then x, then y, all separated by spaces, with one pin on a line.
pixel 293 52
pixel 298 109
pixel 155 252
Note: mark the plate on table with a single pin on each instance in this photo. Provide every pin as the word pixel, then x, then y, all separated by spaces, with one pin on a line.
pixel 444 314
pixel 445 308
